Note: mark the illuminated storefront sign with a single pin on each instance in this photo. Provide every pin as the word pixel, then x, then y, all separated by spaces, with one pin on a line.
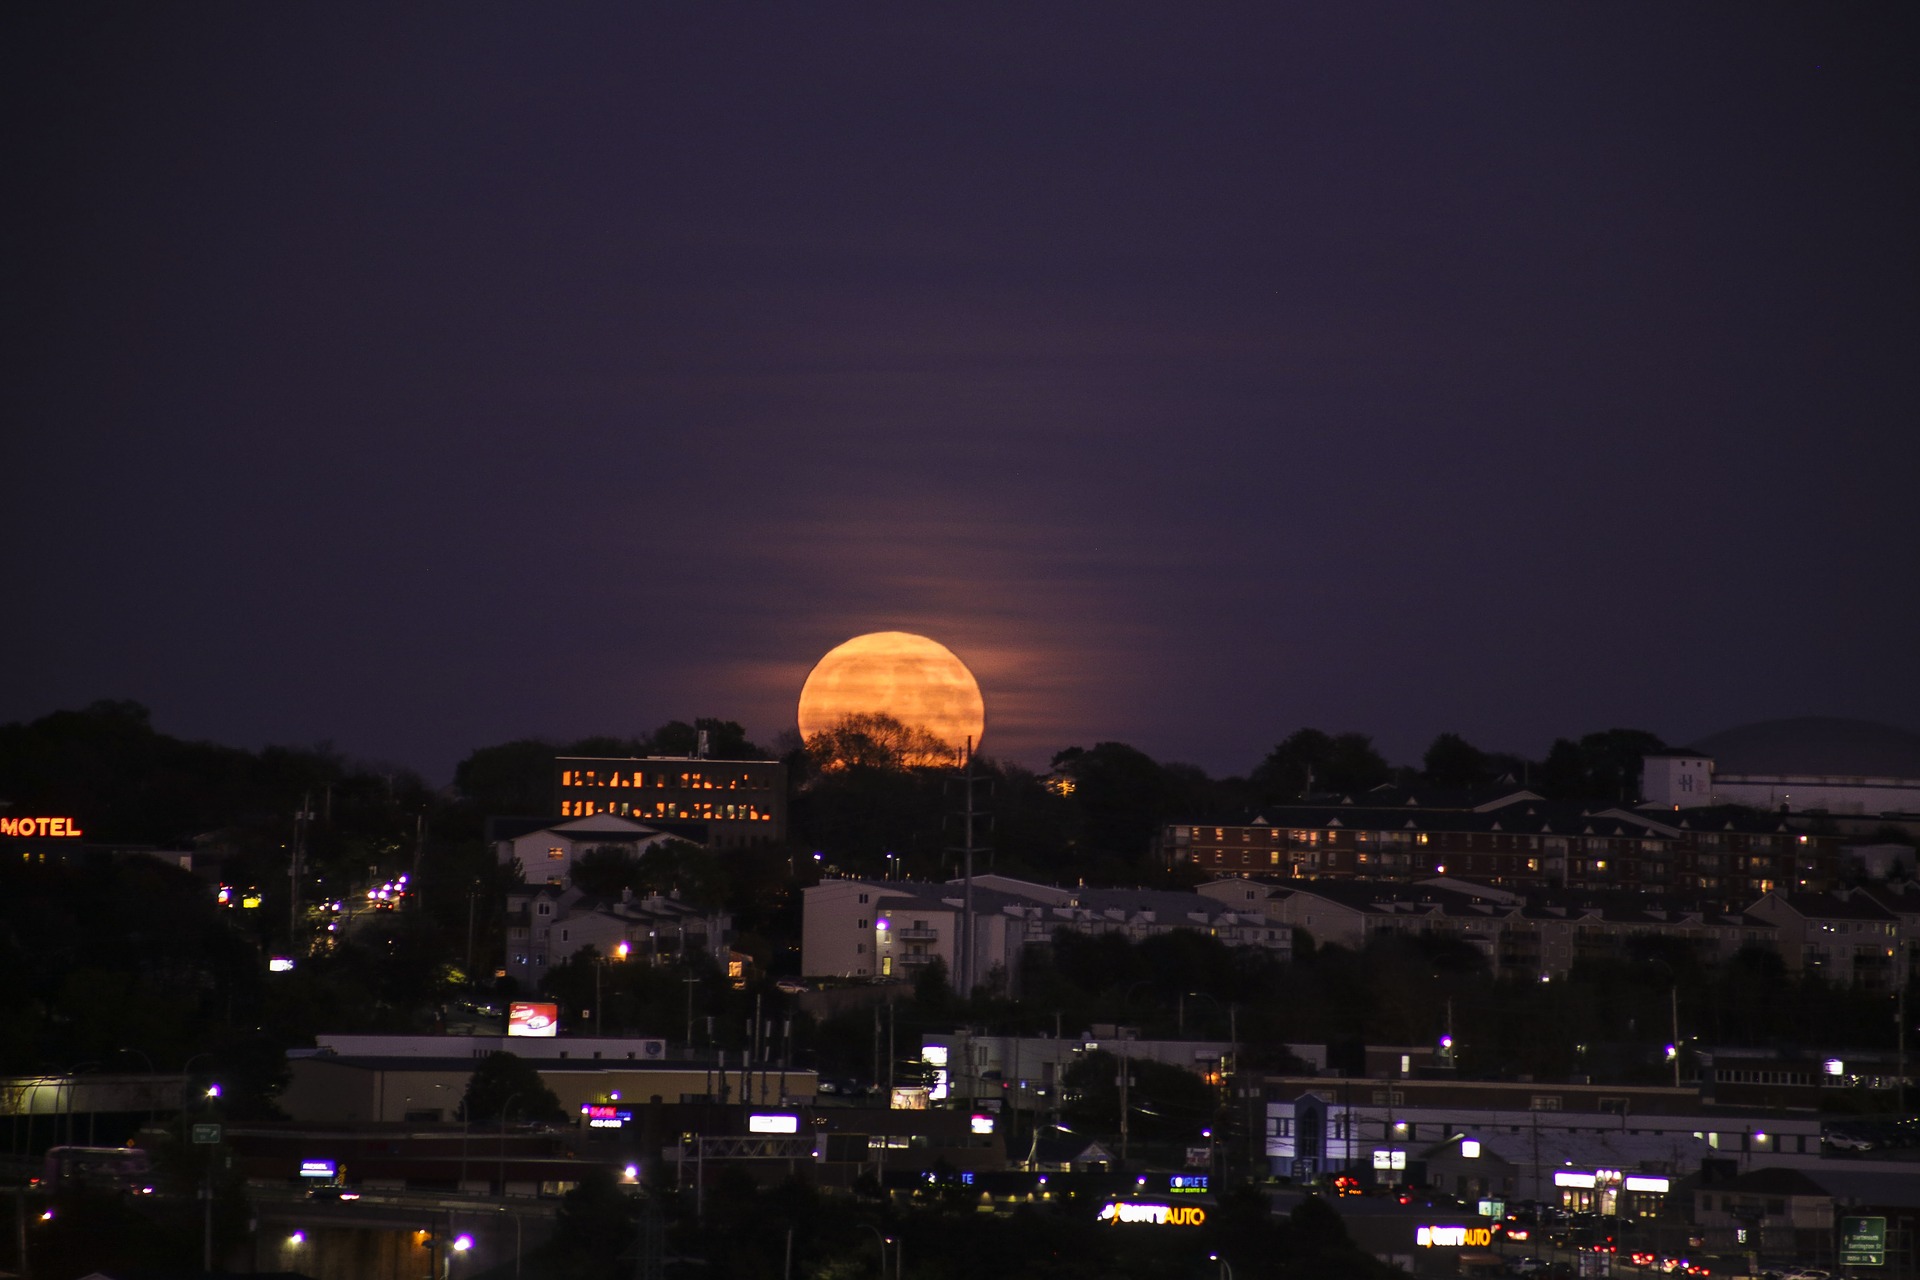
pixel 1600 1179
pixel 64 828
pixel 982 1124
pixel 935 1056
pixel 524 1019
pixel 773 1124
pixel 1154 1215
pixel 605 1116
pixel 1189 1182
pixel 317 1169
pixel 1453 1237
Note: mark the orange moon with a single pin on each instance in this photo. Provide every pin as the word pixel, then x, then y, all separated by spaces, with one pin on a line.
pixel 917 681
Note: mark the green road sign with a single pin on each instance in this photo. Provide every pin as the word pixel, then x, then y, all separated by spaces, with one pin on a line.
pixel 1863 1242
pixel 209 1135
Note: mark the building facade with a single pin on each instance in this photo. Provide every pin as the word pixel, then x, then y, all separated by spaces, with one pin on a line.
pixel 547 853
pixel 547 925
pixel 1729 854
pixel 894 928
pixel 720 803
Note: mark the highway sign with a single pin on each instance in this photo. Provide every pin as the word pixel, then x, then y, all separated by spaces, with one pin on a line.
pixel 1863 1242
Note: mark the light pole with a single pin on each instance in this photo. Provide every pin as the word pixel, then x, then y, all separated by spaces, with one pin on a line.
pixel 883 1242
pixel 1226 1268
pixel 206 1191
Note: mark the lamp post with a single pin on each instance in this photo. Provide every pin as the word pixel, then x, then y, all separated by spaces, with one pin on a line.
pixel 883 1242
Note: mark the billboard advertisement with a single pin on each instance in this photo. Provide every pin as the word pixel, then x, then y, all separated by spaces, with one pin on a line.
pixel 527 1019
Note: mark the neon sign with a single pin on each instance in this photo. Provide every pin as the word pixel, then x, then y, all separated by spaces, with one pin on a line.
pixel 65 828
pixel 1156 1215
pixel 1453 1237
pixel 603 1116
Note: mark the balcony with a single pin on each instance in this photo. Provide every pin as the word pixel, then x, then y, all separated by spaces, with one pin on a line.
pixel 918 935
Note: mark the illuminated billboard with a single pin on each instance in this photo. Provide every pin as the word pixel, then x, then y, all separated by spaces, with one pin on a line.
pixel 605 1116
pixel 527 1019
pixel 1453 1237
pixel 773 1124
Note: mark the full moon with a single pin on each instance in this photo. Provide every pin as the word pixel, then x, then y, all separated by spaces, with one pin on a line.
pixel 917 681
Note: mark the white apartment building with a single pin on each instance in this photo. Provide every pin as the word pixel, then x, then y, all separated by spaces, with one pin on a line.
pixel 895 928
pixel 547 855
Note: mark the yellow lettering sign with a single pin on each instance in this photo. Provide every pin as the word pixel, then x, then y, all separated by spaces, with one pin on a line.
pixel 62 828
pixel 1158 1215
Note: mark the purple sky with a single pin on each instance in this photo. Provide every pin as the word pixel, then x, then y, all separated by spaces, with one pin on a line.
pixel 422 380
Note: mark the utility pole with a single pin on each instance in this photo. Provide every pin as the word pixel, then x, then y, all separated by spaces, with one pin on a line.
pixel 300 821
pixel 692 980
pixel 473 894
pixel 1673 997
pixel 964 956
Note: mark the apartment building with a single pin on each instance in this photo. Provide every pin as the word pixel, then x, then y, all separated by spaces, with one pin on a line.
pixel 894 928
pixel 1519 840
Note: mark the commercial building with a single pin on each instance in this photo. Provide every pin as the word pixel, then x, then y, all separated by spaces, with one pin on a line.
pixel 421 1079
pixel 1808 765
pixel 1023 1073
pixel 723 804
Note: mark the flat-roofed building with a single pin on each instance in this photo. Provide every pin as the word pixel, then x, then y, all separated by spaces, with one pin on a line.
pixel 720 803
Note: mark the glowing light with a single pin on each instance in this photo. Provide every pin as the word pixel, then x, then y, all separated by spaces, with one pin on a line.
pixel 298 1237
pixel 917 681
pixel 64 828
pixel 462 1243
pixel 773 1124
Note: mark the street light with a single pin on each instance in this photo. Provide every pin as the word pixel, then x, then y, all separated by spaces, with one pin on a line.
pixel 883 1242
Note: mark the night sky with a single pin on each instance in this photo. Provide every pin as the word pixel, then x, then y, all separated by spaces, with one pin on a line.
pixel 422 377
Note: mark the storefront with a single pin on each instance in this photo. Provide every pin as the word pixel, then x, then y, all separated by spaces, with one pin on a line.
pixel 1611 1192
